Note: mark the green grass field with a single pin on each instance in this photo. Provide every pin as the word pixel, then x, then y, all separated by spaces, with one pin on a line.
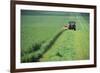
pixel 43 38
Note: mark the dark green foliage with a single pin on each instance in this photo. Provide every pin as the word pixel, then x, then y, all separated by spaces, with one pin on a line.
pixel 36 46
pixel 58 54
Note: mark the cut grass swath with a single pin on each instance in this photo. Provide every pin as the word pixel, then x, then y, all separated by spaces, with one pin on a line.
pixel 42 48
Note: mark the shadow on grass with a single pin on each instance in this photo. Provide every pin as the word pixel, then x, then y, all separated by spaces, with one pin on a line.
pixel 36 46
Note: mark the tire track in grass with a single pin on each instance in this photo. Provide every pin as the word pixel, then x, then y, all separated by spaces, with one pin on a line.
pixel 86 23
pixel 80 23
pixel 83 23
pixel 86 39
pixel 82 36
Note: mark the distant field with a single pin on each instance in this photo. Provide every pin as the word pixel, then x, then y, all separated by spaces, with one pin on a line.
pixel 43 37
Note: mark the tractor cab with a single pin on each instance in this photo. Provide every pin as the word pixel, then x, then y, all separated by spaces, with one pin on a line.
pixel 72 22
pixel 72 25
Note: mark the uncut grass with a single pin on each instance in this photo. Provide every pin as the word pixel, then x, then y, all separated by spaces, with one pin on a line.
pixel 38 30
pixel 42 29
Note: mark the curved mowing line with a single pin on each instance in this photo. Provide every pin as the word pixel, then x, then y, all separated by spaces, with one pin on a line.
pixel 52 41
pixel 35 56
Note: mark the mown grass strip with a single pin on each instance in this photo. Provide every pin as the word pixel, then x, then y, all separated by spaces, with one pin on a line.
pixel 35 56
